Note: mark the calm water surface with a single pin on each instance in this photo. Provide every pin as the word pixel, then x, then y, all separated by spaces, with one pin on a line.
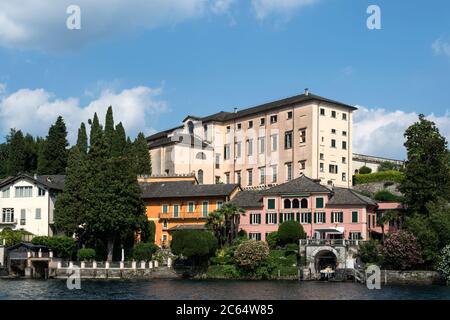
pixel 220 290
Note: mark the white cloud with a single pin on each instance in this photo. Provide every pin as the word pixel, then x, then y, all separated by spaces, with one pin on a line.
pixel 380 132
pixel 33 111
pixel 441 47
pixel 42 24
pixel 2 88
pixel 265 8
pixel 221 6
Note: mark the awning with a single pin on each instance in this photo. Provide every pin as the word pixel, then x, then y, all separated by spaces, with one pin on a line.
pixel 338 230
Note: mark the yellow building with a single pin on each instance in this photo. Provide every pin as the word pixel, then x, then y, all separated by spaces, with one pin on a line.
pixel 179 202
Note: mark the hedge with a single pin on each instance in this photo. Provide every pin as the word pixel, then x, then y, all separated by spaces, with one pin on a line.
pixel 392 176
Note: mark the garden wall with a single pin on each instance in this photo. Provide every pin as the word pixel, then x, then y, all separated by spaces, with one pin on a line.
pixel 411 277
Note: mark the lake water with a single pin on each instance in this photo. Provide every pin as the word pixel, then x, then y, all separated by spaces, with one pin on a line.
pixel 220 290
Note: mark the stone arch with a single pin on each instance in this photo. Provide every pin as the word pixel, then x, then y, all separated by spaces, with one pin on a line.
pixel 295 204
pixel 317 252
pixel 200 156
pixel 287 204
pixel 304 203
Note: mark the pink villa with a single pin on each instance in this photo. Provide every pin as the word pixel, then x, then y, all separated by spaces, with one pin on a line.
pixel 324 212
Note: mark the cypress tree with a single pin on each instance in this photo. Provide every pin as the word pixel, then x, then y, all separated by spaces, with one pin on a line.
pixel 141 156
pixel 71 204
pixel 82 142
pixel 16 162
pixel 109 129
pixel 119 142
pixel 54 154
pixel 96 130
pixel 31 154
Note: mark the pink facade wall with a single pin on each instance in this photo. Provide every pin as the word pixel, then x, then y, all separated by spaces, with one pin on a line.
pixel 348 226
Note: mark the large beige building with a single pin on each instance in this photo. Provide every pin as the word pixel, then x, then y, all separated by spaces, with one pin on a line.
pixel 264 145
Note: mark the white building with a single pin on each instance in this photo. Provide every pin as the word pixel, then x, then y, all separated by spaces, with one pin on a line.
pixel 27 203
pixel 361 160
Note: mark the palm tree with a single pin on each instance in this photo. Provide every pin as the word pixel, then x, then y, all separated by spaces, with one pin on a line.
pixel 225 222
pixel 387 217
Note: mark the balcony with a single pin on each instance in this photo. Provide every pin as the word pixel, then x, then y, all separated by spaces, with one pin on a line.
pixel 330 242
pixel 8 222
pixel 182 215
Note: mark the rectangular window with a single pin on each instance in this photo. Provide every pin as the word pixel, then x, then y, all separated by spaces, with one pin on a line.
pixel 250 177
pixel 302 164
pixel 250 124
pixel 344 176
pixel 354 216
pixel 333 114
pixel 165 208
pixel 302 135
pixel 322 157
pixel 319 203
pixel 322 111
pixel 23 217
pixel 255 236
pixel 176 210
pixel 217 160
pixel 289 171
pixel 319 217
pixel 344 116
pixel 271 218
pixel 271 204
pixel 333 143
pixel 321 167
pixel 274 173
pixel 262 121
pixel 344 145
pixel 8 215
pixel 262 145
pixel 38 213
pixel 354 236
pixel 273 119
pixel 344 160
pixel 205 209
pixel 255 218
pixel 219 205
pixel 333 168
pixel 289 115
pixel 288 140
pixel 344 133
pixel 249 147
pixel 24 192
pixel 274 142
pixel 262 175
pixel 5 193
pixel 238 177
pixel 227 177
pixel 337 217
pixel 305 217
pixel 238 150
pixel 191 207
pixel 333 131
pixel 239 126
pixel 226 152
pixel 228 129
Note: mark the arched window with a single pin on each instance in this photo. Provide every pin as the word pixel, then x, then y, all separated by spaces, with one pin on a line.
pixel 295 204
pixel 304 203
pixel 200 176
pixel 191 127
pixel 287 203
pixel 201 156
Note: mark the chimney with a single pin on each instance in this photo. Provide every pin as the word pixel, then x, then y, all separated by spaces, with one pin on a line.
pixel 235 109
pixel 306 92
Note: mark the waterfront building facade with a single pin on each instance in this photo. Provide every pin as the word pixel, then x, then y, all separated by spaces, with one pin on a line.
pixel 179 202
pixel 27 202
pixel 324 212
pixel 261 146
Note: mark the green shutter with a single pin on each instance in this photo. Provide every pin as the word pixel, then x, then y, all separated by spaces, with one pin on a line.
pixel 319 202
pixel 271 204
pixel 298 216
pixel 355 216
pixel 275 219
pixel 324 217
pixel 315 217
pixel 267 218
pixel 332 218
pixel 309 217
pixel 281 218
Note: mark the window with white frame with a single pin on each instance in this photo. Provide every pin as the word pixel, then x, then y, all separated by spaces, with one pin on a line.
pixel 23 217
pixel 320 217
pixel 176 210
pixel 165 224
pixel 249 147
pixel 333 168
pixel 238 149
pixel 289 171
pixel 302 164
pixel 219 205
pixel 250 177
pixel 344 176
pixel 303 135
pixel 24 192
pixel 205 208
pixel 255 218
pixel 354 235
pixel 5 193
pixel 337 217
pixel 238 177
pixel 262 175
pixel 274 173
pixel 8 215
pixel 226 152
pixel 165 208
pixel 305 217
pixel 262 145
pixel 191 206
pixel 38 214
pixel 271 218
pixel 255 236
pixel 274 139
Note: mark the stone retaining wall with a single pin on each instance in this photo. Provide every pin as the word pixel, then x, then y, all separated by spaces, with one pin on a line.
pixel 101 273
pixel 411 277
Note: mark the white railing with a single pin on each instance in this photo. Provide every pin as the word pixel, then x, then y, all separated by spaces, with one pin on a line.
pixel 105 265
pixel 330 242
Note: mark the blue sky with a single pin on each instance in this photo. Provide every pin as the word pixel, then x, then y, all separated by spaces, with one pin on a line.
pixel 158 62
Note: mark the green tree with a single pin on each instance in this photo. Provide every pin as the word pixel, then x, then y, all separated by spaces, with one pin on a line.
pixel 401 250
pixel 62 246
pixel 82 142
pixel 143 251
pixel 86 254
pixel 370 252
pixel 365 170
pixel 31 154
pixel 427 170
pixel 16 162
pixel 109 129
pixel 148 231
pixel 224 223
pixel 196 245
pixel 119 142
pixel 142 162
pixel 55 153
pixel 71 205
pixel 290 232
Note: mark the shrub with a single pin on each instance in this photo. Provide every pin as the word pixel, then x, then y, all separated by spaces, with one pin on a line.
pixel 86 254
pixel 251 254
pixel 292 248
pixel 385 176
pixel 62 246
pixel 364 170
pixel 12 237
pixel 388 166
pixel 370 252
pixel 143 251
pixel 272 239
pixel 194 244
pixel 386 195
pixel 443 265
pixel 223 271
pixel 242 234
pixel 148 232
pixel 290 232
pixel 401 250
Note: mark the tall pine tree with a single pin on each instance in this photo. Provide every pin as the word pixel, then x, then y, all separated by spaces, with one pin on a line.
pixel 17 158
pixel 54 154
pixel 109 129
pixel 82 142
pixel 141 156
pixel 119 142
